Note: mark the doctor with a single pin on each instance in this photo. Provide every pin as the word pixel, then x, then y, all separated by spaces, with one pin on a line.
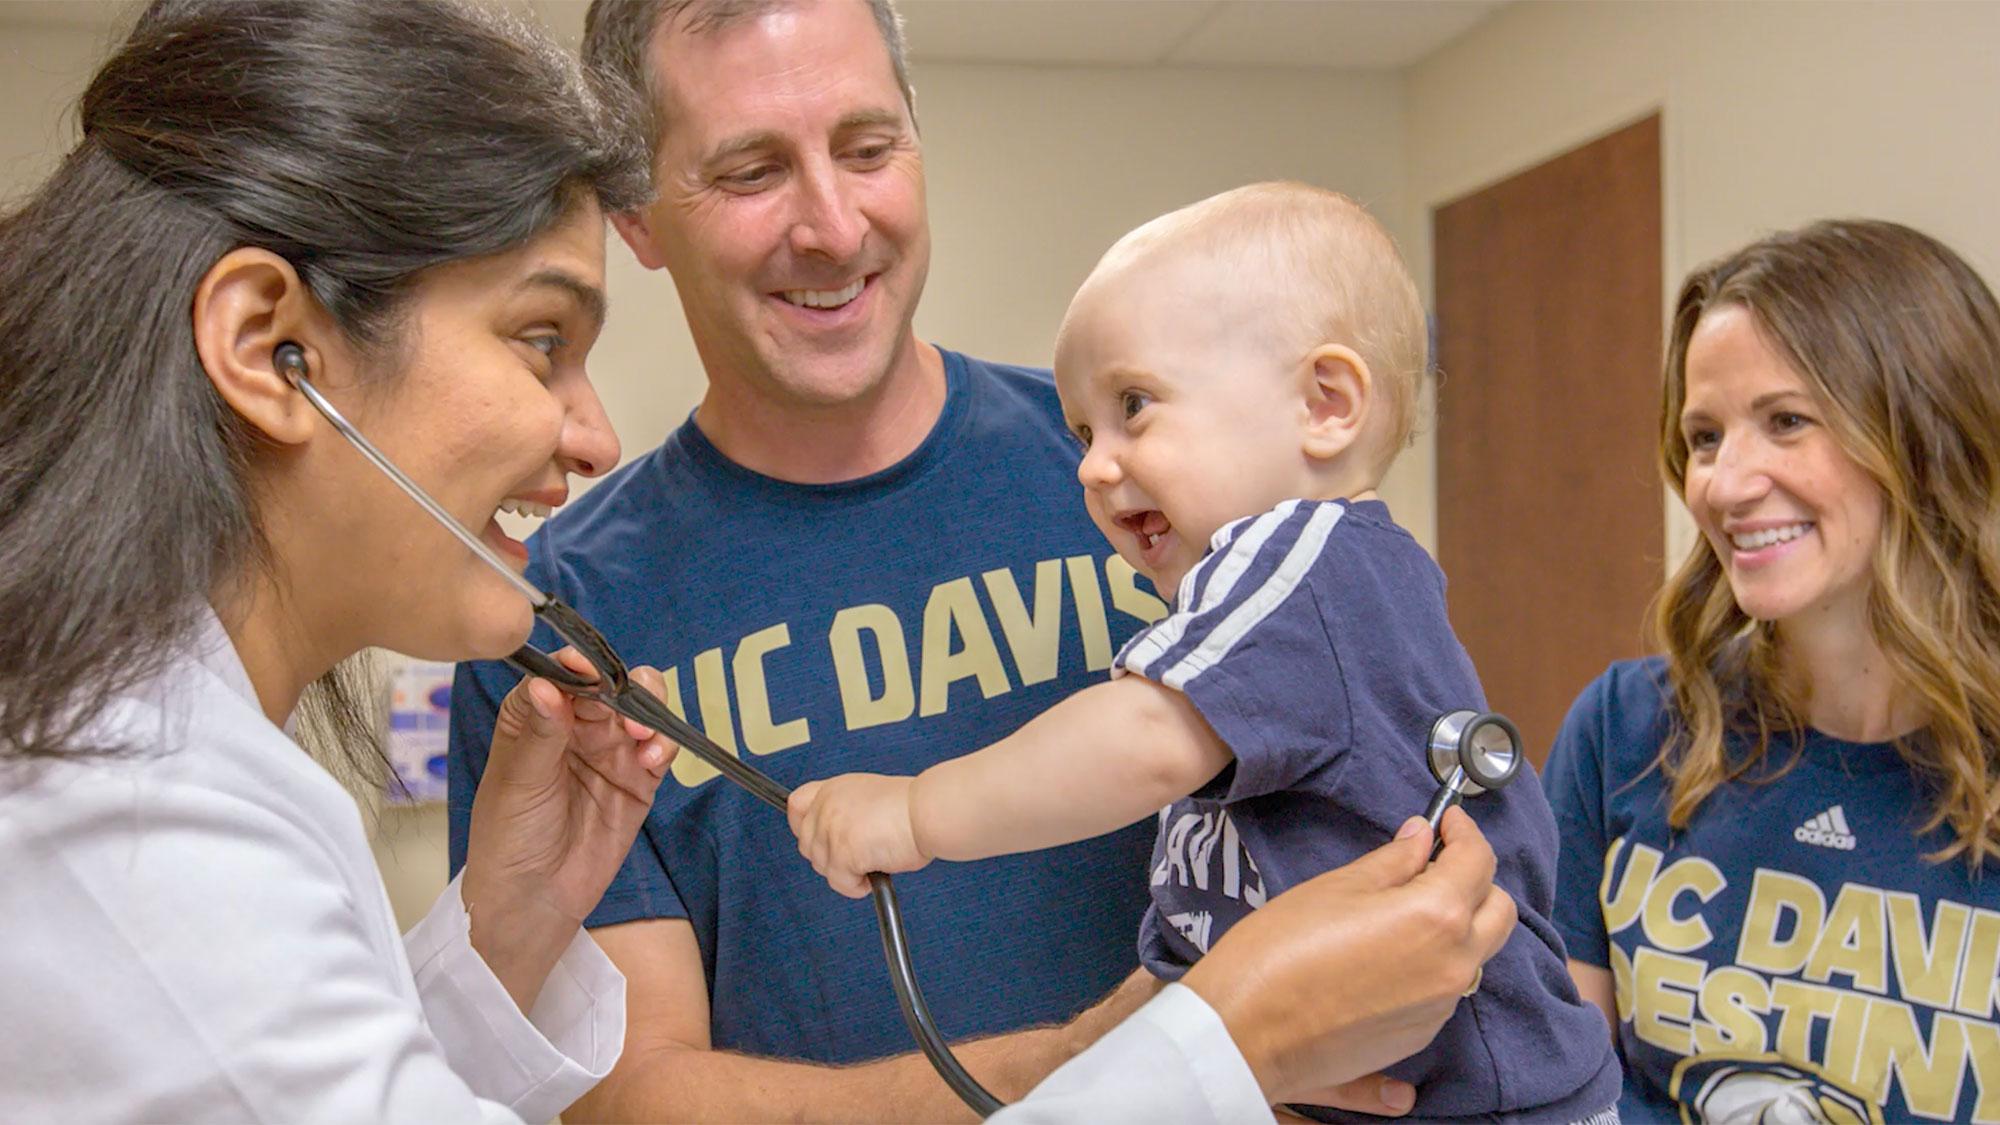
pixel 195 929
pixel 188 556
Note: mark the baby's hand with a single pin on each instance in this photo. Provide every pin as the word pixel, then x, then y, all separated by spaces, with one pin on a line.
pixel 853 824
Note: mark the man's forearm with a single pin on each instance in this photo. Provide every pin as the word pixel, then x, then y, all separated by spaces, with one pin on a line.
pixel 672 1082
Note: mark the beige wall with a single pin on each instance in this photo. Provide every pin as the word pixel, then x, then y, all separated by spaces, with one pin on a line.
pixel 42 73
pixel 1773 114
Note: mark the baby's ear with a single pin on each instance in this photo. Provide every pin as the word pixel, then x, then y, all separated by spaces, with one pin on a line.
pixel 1339 390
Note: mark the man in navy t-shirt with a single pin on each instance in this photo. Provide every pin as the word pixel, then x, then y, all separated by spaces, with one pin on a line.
pixel 860 552
pixel 822 628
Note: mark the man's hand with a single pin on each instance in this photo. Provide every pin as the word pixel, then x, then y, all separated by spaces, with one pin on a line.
pixel 853 824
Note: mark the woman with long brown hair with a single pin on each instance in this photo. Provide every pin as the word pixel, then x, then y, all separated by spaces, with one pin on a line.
pixel 1779 837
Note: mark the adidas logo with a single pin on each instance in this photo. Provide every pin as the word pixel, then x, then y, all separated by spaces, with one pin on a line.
pixel 1828 830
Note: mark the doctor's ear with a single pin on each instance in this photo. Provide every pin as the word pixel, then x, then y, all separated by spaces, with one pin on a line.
pixel 248 303
pixel 1339 389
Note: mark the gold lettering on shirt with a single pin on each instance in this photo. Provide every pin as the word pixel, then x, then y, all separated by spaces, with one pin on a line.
pixel 1681 933
pixel 1034 640
pixel 1665 986
pixel 1775 898
pixel 1622 908
pixel 1811 999
pixel 1842 1055
pixel 1801 1004
pixel 688 769
pixel 761 733
pixel 953 609
pixel 1982 1047
pixel 1126 596
pixel 1930 1073
pixel 867 645
pixel 1732 1002
pixel 898 700
pixel 1982 964
pixel 1854 941
pixel 1926 971
pixel 1090 618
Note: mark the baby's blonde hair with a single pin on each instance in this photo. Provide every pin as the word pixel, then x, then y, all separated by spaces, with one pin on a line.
pixel 1349 282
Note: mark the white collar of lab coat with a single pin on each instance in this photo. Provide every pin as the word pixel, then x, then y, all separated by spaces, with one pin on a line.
pixel 214 651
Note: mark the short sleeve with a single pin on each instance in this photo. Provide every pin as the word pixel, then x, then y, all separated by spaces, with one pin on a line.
pixel 1247 646
pixel 1573 778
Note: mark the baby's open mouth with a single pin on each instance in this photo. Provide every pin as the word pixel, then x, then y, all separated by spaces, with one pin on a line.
pixel 1150 527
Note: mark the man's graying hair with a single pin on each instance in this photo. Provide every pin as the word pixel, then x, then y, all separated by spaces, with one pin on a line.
pixel 616 34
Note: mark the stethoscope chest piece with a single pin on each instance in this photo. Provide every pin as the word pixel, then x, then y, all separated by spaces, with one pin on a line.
pixel 1484 744
pixel 1470 752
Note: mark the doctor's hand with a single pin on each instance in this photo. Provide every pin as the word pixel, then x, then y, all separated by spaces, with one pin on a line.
pixel 567 785
pixel 1358 968
pixel 853 824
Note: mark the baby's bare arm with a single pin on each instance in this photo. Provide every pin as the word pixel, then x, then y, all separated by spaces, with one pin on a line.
pixel 1101 759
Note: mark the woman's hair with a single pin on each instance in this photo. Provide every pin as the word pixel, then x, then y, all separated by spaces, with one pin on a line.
pixel 1899 341
pixel 364 143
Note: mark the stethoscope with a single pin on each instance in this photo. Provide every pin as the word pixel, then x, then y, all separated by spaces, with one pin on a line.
pixel 1470 752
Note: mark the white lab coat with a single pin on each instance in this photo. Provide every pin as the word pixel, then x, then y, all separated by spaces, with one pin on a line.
pixel 198 932
pixel 1172 1060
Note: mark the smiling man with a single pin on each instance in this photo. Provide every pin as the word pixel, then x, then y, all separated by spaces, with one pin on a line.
pixel 861 552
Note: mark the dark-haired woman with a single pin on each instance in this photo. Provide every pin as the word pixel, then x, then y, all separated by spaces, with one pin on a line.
pixel 194 926
pixel 1779 838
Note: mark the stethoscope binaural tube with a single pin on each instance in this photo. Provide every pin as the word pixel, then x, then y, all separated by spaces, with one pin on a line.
pixel 614 689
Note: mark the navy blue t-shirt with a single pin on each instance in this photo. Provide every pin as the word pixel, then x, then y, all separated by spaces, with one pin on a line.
pixel 883 624
pixel 1789 955
pixel 1314 640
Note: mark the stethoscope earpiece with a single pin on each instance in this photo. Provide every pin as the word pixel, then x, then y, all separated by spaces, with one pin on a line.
pixel 290 360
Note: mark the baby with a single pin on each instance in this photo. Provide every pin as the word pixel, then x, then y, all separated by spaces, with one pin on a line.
pixel 1241 373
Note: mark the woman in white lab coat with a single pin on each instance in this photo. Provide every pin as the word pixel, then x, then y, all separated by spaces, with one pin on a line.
pixel 191 924
pixel 194 926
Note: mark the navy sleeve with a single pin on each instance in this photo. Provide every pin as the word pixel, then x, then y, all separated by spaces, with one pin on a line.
pixel 1247 646
pixel 476 691
pixel 1573 778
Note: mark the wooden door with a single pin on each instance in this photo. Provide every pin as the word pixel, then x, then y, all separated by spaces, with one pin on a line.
pixel 1550 516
